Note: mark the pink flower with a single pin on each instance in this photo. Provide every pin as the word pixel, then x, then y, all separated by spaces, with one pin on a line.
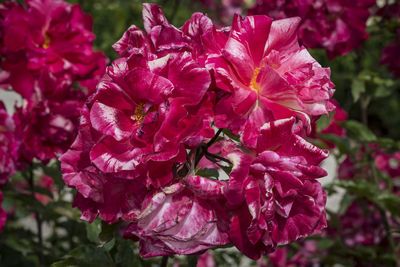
pixel 265 75
pixel 335 25
pixel 173 220
pixel 151 103
pixel 48 128
pixel 278 198
pixel 48 37
pixel 109 196
pixel 8 145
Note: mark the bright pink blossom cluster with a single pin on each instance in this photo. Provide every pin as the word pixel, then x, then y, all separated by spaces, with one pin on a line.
pixel 195 137
pixel 47 47
pixel 338 26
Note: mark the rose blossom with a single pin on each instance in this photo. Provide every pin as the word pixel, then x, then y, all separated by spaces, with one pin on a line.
pixel 47 128
pixel 265 75
pixel 279 199
pixel 146 140
pixel 51 38
pixel 335 25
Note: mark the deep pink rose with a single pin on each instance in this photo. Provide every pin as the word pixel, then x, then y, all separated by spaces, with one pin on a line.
pixel 173 221
pixel 109 196
pixel 335 25
pixel 265 75
pixel 150 103
pixel 48 37
pixel 48 128
pixel 278 198
pixel 8 145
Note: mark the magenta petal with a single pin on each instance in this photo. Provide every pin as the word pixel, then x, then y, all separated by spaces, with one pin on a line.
pixel 153 16
pixel 111 121
pixel 204 187
pixel 283 36
pixel 111 156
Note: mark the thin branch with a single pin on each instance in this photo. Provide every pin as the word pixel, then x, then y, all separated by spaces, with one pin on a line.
pixel 212 141
pixel 164 261
pixel 37 214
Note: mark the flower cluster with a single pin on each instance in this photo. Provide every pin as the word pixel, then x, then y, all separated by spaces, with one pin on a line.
pixel 196 137
pixel 46 48
pixel 338 26
pixel 45 51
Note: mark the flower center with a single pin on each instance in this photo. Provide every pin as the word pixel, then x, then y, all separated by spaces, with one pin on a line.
pixel 139 113
pixel 46 41
pixel 253 82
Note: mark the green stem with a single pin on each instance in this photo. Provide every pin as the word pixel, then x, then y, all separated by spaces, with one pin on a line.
pixel 164 261
pixel 192 260
pixel 37 214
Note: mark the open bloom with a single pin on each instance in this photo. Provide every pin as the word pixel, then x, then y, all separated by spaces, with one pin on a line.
pixel 265 75
pixel 278 198
pixel 109 196
pixel 48 128
pixel 51 38
pixel 335 25
pixel 146 151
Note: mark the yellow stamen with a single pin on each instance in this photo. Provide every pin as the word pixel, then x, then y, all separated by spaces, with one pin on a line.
pixel 139 114
pixel 253 82
pixel 46 41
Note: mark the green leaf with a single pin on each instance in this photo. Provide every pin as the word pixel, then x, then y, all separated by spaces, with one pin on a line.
pixel 358 131
pixel 93 230
pixel 208 172
pixel 357 88
pixel 323 122
pixel 343 144
pixel 345 203
pixel 389 201
pixel 325 244
pixel 231 136
pixel 107 231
